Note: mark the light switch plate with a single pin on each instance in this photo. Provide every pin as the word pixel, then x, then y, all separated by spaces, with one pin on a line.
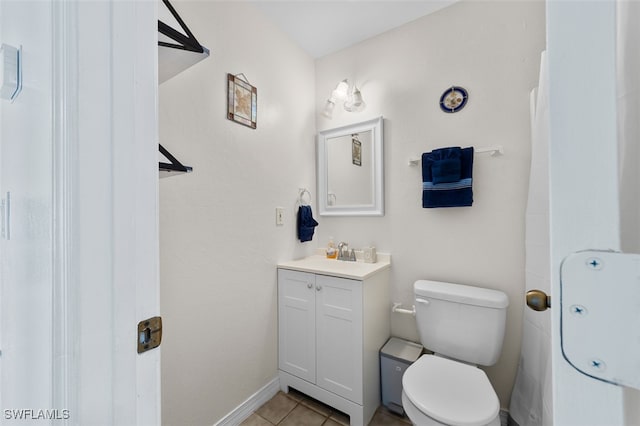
pixel 279 216
pixel 10 72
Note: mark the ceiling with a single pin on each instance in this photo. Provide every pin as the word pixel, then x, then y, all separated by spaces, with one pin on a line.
pixel 324 27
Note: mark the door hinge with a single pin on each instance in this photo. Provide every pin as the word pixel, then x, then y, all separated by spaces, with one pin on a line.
pixel 599 321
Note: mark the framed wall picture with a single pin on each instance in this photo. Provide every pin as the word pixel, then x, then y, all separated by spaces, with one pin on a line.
pixel 242 103
pixel 356 150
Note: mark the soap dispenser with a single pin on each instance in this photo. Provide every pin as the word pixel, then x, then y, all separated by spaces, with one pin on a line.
pixel 332 253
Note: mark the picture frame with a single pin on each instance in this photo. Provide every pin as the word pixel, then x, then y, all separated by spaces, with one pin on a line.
pixel 242 101
pixel 356 151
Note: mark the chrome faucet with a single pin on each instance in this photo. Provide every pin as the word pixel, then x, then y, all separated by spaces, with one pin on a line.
pixel 345 254
pixel 341 249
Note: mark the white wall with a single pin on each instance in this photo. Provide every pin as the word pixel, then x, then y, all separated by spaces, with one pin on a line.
pixel 493 50
pixel 219 244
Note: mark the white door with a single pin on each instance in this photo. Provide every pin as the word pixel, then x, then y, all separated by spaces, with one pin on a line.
pixel 339 337
pixel 297 324
pixel 584 181
pixel 79 263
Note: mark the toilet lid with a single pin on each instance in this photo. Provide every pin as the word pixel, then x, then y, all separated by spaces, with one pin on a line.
pixel 450 392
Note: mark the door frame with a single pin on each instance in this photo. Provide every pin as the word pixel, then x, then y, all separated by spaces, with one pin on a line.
pixel 105 215
pixel 584 205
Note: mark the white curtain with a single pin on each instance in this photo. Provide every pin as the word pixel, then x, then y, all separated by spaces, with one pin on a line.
pixel 531 403
pixel 628 109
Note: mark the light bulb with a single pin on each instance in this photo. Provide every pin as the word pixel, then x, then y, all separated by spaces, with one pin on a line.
pixel 328 108
pixel 358 103
pixel 355 103
pixel 341 90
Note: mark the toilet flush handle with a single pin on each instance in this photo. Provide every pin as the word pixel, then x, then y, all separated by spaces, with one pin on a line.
pixel 423 301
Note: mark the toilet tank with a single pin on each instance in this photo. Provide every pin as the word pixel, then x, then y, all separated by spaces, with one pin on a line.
pixel 461 322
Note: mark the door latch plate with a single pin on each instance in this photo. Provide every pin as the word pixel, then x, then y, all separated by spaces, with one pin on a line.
pixel 149 334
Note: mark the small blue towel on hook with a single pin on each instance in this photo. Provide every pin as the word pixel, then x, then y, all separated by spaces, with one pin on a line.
pixel 447 177
pixel 306 223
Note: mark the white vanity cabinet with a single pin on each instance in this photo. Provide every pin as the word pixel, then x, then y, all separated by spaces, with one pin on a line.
pixel 320 331
pixel 330 329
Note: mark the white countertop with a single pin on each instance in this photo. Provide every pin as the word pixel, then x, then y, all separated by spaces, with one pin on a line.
pixel 319 264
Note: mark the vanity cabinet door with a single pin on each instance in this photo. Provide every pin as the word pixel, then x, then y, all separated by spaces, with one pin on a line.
pixel 339 337
pixel 297 324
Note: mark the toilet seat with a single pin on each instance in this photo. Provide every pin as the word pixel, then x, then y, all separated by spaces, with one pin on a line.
pixel 450 392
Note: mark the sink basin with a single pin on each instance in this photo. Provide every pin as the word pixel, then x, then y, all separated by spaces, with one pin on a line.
pixel 321 265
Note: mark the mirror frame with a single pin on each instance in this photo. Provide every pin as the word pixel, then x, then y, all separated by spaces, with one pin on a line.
pixel 376 126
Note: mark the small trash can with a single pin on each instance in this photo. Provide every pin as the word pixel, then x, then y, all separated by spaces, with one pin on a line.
pixel 395 356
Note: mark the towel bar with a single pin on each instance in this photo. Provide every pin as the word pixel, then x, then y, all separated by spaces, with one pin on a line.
pixel 495 151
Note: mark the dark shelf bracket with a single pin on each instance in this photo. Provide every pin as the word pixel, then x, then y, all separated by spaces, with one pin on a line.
pixel 174 165
pixel 188 42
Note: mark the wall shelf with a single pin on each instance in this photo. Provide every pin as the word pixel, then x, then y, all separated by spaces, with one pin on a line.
pixel 178 49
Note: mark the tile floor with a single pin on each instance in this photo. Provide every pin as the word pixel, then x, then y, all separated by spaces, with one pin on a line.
pixel 297 409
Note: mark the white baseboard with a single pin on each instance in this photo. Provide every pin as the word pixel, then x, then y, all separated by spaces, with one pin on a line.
pixel 255 401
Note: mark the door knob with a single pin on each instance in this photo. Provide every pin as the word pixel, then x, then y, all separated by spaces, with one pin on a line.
pixel 538 300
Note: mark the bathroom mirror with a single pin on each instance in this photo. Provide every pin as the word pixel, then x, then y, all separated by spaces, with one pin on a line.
pixel 350 170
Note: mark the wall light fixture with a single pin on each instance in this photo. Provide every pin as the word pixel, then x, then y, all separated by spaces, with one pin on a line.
pixel 351 96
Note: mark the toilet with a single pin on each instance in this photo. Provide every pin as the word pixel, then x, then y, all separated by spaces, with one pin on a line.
pixel 464 327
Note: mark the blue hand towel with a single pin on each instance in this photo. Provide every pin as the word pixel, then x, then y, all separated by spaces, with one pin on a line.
pixel 442 185
pixel 306 223
pixel 447 169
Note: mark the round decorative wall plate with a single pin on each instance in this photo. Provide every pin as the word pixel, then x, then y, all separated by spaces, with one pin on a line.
pixel 453 99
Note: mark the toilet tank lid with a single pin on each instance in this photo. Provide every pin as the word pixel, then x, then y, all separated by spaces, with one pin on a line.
pixel 460 293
